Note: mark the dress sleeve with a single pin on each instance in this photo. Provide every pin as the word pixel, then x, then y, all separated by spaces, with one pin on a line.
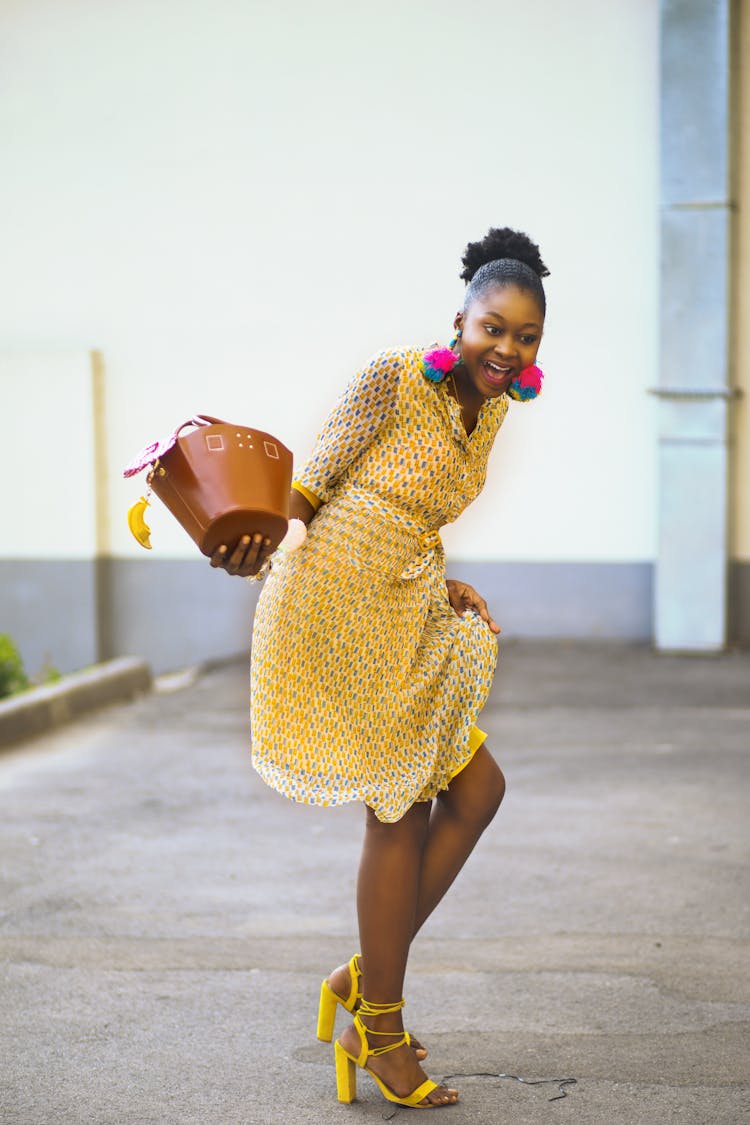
pixel 360 413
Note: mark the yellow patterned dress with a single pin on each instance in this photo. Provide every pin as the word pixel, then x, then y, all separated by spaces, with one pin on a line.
pixel 366 684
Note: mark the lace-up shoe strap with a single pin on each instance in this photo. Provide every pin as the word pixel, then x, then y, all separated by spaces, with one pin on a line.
pixel 368 1009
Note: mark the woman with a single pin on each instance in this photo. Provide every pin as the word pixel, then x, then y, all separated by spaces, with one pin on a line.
pixel 369 668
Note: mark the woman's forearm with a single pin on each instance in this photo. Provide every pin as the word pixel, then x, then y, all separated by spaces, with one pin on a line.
pixel 299 507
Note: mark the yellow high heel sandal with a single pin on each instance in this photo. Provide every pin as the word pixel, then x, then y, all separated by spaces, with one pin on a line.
pixel 329 999
pixel 346 1064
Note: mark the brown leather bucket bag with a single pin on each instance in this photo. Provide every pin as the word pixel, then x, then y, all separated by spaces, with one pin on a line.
pixel 222 481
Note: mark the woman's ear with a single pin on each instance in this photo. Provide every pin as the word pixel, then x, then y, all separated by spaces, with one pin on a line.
pixel 458 323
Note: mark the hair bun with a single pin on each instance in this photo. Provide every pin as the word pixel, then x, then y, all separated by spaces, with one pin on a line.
pixel 502 242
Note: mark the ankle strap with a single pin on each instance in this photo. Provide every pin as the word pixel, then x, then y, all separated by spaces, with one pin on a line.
pixel 368 1009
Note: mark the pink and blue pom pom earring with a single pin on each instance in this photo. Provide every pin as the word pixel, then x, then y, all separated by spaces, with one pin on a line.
pixel 527 385
pixel 439 363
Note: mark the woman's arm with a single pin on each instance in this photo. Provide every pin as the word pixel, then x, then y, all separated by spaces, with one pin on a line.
pixel 300 507
pixel 360 413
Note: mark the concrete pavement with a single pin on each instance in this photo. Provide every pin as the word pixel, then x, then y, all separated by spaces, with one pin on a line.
pixel 165 919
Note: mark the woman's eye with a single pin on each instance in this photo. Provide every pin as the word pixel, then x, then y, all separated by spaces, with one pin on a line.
pixel 492 329
pixel 527 341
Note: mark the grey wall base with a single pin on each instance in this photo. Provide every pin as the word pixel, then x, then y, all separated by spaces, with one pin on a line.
pixel 174 613
pixel 573 600
pixel 170 612
pixel 49 608
pixel 739 604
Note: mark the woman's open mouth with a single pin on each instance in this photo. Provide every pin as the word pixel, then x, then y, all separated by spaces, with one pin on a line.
pixel 496 374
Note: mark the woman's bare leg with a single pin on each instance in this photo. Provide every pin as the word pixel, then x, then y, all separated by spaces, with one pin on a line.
pixel 387 890
pixel 460 815
pixel 387 887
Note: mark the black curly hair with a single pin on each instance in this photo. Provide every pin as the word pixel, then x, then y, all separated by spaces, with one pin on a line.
pixel 503 257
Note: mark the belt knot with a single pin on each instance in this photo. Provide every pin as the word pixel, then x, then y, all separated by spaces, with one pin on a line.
pixel 428 540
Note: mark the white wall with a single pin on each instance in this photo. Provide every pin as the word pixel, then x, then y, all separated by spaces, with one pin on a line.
pixel 48 461
pixel 237 203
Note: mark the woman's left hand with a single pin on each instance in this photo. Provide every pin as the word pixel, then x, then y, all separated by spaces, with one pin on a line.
pixel 463 597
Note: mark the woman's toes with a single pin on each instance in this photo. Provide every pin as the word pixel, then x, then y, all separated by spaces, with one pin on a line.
pixel 419 1050
pixel 442 1096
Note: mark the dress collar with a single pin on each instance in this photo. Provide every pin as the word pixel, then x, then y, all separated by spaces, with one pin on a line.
pixel 490 413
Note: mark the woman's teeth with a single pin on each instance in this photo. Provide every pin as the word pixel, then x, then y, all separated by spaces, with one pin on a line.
pixel 495 374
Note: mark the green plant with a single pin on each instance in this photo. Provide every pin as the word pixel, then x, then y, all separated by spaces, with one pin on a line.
pixel 49 674
pixel 12 675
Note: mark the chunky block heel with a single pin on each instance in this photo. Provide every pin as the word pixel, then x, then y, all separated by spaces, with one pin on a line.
pixel 346 1075
pixel 327 1012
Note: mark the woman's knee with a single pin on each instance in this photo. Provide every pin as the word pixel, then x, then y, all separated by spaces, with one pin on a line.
pixel 477 792
pixel 493 791
pixel 498 789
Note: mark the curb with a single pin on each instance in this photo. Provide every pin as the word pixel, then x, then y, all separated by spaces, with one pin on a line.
pixel 43 708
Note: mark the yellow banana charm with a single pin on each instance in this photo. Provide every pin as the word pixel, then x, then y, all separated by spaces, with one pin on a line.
pixel 138 526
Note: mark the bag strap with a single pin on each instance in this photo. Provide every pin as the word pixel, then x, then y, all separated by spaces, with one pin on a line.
pixel 151 454
pixel 200 420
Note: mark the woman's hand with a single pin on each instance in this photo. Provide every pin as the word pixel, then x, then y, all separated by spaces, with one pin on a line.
pixel 246 558
pixel 463 597
pixel 253 551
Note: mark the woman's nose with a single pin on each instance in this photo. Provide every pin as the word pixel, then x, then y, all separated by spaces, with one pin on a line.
pixel 505 346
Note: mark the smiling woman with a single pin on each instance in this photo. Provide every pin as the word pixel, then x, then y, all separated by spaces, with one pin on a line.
pixel 369 667
pixel 500 331
pixel 500 326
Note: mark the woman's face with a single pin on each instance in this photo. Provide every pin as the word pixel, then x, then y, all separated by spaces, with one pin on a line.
pixel 500 334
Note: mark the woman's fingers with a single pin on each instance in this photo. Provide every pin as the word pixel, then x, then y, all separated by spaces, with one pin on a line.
pixel 463 597
pixel 246 558
pixel 244 555
pixel 474 600
pixel 493 624
pixel 264 551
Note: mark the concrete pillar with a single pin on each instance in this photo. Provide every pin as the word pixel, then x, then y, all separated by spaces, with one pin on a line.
pixel 694 391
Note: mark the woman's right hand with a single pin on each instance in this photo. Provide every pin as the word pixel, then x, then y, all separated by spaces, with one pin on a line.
pixel 246 558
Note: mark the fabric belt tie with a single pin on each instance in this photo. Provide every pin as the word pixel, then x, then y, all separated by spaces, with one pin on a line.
pixel 379 530
pixel 429 544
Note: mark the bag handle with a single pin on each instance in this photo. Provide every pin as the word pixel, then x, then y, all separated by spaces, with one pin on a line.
pixel 157 449
pixel 201 420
